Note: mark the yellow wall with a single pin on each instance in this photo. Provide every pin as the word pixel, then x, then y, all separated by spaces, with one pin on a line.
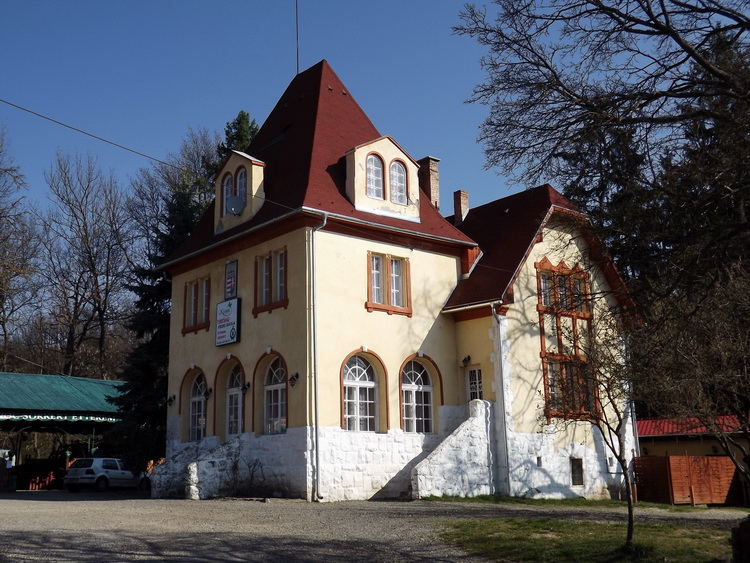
pixel 559 242
pixel 344 328
pixel 280 329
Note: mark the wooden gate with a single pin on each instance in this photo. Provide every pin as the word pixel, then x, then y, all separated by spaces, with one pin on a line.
pixel 688 480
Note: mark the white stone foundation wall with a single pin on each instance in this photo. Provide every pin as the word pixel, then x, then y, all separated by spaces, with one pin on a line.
pixel 364 465
pixel 539 470
pixel 269 465
pixel 463 464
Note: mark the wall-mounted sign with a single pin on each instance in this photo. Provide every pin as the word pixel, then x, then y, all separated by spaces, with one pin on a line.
pixel 228 322
pixel 230 280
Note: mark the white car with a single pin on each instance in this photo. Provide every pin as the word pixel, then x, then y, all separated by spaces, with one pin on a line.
pixel 101 473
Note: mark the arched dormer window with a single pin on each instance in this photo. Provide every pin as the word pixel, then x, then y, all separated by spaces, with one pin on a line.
pixel 228 192
pixel 398 183
pixel 374 177
pixel 242 185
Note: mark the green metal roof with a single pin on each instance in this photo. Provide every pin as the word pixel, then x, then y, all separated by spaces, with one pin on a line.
pixel 59 394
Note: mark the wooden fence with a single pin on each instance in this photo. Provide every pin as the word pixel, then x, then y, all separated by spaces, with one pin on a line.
pixel 688 480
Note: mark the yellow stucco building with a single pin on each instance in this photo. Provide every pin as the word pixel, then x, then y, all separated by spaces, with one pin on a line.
pixel 335 337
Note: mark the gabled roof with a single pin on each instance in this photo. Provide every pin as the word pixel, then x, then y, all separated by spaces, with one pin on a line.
pixel 303 144
pixel 505 229
pixel 55 394
pixel 652 427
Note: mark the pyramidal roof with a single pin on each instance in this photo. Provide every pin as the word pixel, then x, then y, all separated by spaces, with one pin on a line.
pixel 303 144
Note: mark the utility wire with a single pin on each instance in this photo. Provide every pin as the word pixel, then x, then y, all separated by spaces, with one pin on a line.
pixel 353 228
pixel 77 130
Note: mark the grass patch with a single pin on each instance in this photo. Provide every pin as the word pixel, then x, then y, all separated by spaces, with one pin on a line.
pixel 576 502
pixel 541 539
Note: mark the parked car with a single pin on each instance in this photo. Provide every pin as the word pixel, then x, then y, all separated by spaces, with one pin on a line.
pixel 101 473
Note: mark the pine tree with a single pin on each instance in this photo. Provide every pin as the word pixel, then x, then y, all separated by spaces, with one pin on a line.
pixel 185 188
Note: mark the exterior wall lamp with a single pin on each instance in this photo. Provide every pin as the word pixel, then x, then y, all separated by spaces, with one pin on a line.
pixel 466 361
pixel 208 392
pixel 293 379
pixel 171 400
pixel 245 387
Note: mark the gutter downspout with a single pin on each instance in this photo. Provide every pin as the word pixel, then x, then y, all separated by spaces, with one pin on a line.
pixel 316 423
pixel 502 431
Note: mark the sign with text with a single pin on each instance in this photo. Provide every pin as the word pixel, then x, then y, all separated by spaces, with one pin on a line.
pixel 228 322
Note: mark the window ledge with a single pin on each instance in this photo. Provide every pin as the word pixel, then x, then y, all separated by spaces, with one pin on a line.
pixel 391 310
pixel 196 328
pixel 283 304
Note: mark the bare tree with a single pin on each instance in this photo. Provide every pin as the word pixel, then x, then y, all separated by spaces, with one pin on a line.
pixel 559 70
pixel 17 250
pixel 87 237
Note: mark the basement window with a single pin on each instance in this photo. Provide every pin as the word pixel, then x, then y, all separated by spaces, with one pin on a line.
pixel 576 471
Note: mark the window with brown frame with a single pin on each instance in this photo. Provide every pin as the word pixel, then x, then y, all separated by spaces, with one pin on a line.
pixel 197 303
pixel 388 284
pixel 270 282
pixel 565 326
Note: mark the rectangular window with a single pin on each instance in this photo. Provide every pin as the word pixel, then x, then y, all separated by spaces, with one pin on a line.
pixel 376 278
pixel 565 325
pixel 197 303
pixel 270 282
pixel 475 384
pixel 388 286
pixel 576 471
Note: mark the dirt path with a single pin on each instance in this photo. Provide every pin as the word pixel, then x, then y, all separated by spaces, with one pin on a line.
pixel 59 526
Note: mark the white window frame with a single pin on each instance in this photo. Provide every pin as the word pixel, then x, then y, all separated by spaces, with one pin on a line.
pixel 198 409
pixel 275 399
pixel 242 185
pixel 228 190
pixel 375 183
pixel 234 401
pixel 388 284
pixel 398 185
pixel 417 397
pixel 361 409
pixel 474 384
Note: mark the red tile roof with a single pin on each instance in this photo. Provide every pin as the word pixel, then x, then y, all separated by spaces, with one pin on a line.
pixel 505 230
pixel 648 427
pixel 303 144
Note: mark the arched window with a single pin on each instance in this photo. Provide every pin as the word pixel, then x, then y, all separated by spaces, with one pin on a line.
pixel 242 185
pixel 234 401
pixel 198 408
pixel 275 398
pixel 416 389
pixel 398 182
pixel 228 192
pixel 374 177
pixel 360 395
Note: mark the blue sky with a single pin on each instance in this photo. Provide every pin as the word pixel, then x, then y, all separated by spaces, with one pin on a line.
pixel 139 73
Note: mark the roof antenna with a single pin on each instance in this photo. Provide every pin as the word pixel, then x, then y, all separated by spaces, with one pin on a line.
pixel 296 25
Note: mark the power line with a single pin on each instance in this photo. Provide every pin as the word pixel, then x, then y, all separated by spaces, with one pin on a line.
pixel 77 130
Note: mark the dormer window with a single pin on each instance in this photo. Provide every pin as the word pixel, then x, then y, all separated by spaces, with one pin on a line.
pixel 374 177
pixel 235 192
pixel 382 179
pixel 228 192
pixel 398 183
pixel 242 185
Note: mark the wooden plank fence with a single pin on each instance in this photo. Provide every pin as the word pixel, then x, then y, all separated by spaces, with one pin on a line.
pixel 688 480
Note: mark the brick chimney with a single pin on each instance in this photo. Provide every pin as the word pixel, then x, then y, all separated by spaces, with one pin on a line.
pixel 460 206
pixel 429 179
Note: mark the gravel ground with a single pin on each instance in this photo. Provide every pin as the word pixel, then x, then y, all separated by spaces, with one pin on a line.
pixel 60 526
